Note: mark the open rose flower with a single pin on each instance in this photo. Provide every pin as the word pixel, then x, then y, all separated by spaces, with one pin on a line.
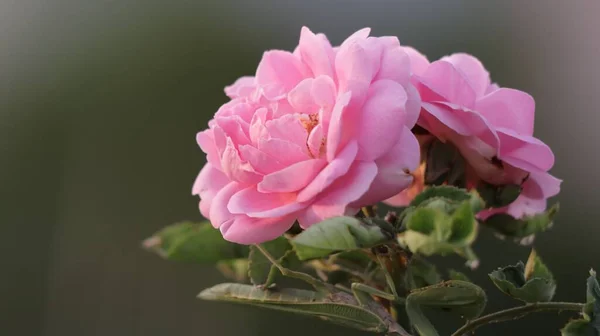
pixel 492 127
pixel 316 133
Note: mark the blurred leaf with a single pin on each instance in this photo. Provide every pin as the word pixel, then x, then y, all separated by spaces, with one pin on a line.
pixel 443 191
pixel 234 269
pixel 194 242
pixel 498 196
pixel 335 235
pixel 578 327
pixel 509 226
pixel 340 308
pixel 260 269
pixel 529 283
pixel 456 275
pixel 593 300
pixel 444 164
pixel 463 298
pixel 421 273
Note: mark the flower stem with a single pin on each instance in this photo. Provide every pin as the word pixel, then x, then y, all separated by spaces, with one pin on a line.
pixel 516 313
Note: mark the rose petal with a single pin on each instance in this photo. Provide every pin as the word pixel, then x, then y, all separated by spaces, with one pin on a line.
pixel 442 79
pixel 418 61
pixel 208 183
pixel 525 152
pixel 508 108
pixel 286 152
pixel 253 203
pixel 315 52
pixel 381 118
pixel 292 178
pixel 336 168
pixel 219 213
pixel 473 71
pixel 245 230
pixel 262 162
pixel 341 126
pixel 242 87
pixel 280 68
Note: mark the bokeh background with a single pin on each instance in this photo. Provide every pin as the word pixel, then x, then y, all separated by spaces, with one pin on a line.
pixel 100 102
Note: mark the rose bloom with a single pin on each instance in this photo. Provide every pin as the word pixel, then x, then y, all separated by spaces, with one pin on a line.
pixel 492 127
pixel 316 133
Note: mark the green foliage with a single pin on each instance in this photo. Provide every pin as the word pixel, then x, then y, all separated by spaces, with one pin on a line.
pixel 336 235
pixel 260 270
pixel 511 227
pixel 498 196
pixel 589 323
pixel 194 242
pixel 444 164
pixel 532 282
pixel 460 297
pixel 441 220
pixel 340 308
pixel 456 275
pixel 234 269
pixel 421 273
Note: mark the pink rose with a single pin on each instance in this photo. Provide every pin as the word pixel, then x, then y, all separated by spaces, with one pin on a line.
pixel 491 126
pixel 316 133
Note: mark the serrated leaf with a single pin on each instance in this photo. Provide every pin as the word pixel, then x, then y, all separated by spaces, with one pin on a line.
pixel 530 283
pixel 498 196
pixel 339 308
pixel 463 225
pixel 260 270
pixel 194 242
pixel 444 191
pixel 463 298
pixel 456 275
pixel 509 226
pixel 336 235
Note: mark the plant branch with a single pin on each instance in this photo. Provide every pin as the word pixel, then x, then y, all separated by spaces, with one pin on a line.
pixel 516 313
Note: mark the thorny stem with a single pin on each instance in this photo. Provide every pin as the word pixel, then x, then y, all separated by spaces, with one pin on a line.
pixel 516 313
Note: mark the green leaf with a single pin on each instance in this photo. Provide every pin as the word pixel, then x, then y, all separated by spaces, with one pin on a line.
pixel 335 235
pixel 234 269
pixel 443 191
pixel 456 275
pixel 444 164
pixel 593 300
pixel 578 327
pixel 421 273
pixel 498 196
pixel 460 297
pixel 529 283
pixel 509 226
pixel 194 242
pixel 260 269
pixel 340 308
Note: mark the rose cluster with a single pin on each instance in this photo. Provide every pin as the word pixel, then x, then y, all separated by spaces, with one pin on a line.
pixel 323 131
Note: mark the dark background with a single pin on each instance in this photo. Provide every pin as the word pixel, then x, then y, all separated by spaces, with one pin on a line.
pixel 100 102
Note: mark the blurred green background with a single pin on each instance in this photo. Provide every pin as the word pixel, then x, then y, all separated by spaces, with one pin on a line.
pixel 100 102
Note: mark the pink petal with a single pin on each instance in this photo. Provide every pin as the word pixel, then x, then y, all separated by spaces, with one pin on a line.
pixel 336 168
pixel 353 65
pixel 442 79
pixel 418 61
pixel 395 64
pixel 508 108
pixel 292 178
pixel 280 68
pixel 288 127
pixel 257 125
pixel 381 118
pixel 301 99
pixel 287 153
pixel 242 87
pixel 209 181
pixel 323 91
pixel 336 200
pixel 413 105
pixel 235 128
pixel 235 168
pixel 260 161
pixel 525 152
pixel 473 70
pixel 253 203
pixel 206 141
pixel 315 52
pixel 247 231
pixel 341 126
pixel 393 170
pixel 316 141
pixel 434 116
pixel 358 35
pixel 219 213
